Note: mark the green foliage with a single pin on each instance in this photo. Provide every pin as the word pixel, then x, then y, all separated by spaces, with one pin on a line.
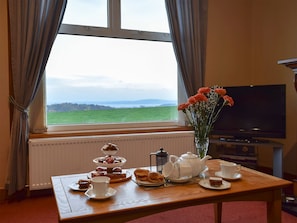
pixel 114 115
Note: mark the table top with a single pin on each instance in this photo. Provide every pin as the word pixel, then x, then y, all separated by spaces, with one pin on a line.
pixel 131 197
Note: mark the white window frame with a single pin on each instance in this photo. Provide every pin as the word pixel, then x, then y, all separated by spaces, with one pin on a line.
pixel 113 30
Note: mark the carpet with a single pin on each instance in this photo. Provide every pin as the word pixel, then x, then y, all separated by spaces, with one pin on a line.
pixel 44 210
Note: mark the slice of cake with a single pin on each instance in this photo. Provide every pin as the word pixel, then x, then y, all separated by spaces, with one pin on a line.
pixel 215 181
pixel 84 184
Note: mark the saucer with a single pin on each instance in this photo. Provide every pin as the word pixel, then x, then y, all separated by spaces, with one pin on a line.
pixel 75 186
pixel 235 177
pixel 180 180
pixel 90 194
pixel 205 183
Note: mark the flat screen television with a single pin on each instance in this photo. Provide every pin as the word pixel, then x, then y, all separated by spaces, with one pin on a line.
pixel 258 111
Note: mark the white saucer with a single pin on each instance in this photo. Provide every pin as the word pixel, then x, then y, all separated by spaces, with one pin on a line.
pixel 205 183
pixel 75 186
pixel 235 177
pixel 111 192
pixel 180 180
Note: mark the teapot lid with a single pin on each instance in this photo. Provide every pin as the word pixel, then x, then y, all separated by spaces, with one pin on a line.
pixel 189 155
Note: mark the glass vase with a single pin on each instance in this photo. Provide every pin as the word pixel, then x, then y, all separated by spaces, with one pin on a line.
pixel 201 145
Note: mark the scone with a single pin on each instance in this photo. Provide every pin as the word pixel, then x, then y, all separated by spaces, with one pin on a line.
pixel 155 177
pixel 141 174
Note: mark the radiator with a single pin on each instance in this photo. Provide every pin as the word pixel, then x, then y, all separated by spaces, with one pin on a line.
pixel 69 155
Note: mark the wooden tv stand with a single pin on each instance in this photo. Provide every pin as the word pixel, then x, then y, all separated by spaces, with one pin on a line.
pixel 277 150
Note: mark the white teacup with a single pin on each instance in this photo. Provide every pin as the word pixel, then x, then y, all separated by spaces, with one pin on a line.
pixel 100 185
pixel 230 170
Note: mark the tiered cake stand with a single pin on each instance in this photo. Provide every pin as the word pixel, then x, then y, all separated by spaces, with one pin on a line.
pixel 111 165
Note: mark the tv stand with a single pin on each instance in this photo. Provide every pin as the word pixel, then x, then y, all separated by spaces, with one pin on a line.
pixel 244 140
pixel 277 150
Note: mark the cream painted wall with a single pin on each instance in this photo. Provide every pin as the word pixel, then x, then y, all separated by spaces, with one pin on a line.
pixel 228 59
pixel 4 84
pixel 246 38
pixel 274 37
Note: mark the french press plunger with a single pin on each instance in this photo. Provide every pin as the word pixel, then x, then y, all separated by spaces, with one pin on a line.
pixel 161 159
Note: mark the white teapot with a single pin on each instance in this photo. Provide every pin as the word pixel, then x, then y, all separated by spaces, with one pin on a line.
pixel 186 166
pixel 175 170
pixel 197 164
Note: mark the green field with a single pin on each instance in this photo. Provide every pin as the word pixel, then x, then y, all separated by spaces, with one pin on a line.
pixel 119 115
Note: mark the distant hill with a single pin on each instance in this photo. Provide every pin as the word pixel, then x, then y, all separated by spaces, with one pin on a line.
pixel 104 105
pixel 64 107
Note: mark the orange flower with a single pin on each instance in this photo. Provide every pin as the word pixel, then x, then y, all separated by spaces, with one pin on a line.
pixel 229 100
pixel 183 106
pixel 204 90
pixel 203 108
pixel 200 97
pixel 192 100
pixel 220 91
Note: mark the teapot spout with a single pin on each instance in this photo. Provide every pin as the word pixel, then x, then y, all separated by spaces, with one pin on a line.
pixel 202 163
pixel 207 157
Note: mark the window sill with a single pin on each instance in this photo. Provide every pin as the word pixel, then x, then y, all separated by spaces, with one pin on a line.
pixel 108 132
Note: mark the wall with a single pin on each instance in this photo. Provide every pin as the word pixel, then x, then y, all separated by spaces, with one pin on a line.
pixel 246 38
pixel 229 42
pixel 274 37
pixel 4 93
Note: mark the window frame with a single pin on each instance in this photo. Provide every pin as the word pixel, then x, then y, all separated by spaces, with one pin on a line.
pixel 113 30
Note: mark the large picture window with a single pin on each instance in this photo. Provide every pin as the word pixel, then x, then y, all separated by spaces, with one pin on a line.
pixel 112 63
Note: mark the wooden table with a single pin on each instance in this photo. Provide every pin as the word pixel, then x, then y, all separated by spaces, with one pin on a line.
pixel 132 201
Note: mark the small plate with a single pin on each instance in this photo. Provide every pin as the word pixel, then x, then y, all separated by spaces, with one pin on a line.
pixel 180 180
pixel 75 186
pixel 110 165
pixel 205 183
pixel 236 176
pixel 111 192
pixel 149 184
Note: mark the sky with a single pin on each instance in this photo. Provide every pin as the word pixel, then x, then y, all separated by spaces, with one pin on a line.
pixel 93 69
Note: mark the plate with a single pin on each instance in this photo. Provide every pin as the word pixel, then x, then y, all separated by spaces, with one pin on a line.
pixel 110 165
pixel 180 180
pixel 205 183
pixel 115 180
pixel 90 194
pixel 75 186
pixel 149 184
pixel 236 176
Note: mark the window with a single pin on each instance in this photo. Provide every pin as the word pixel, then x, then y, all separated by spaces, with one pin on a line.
pixel 114 56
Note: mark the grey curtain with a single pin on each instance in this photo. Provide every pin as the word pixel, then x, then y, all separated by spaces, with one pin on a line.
pixel 33 28
pixel 188 28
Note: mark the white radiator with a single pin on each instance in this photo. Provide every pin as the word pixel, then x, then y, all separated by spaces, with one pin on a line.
pixel 69 155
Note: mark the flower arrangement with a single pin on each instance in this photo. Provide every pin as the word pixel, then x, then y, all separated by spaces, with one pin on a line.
pixel 202 110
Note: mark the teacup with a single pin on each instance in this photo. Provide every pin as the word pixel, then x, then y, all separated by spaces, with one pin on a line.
pixel 100 185
pixel 230 170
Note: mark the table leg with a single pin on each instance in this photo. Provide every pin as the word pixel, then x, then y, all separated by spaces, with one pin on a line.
pixel 278 161
pixel 274 208
pixel 218 212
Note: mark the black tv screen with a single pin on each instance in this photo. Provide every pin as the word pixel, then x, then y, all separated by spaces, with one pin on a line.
pixel 258 111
